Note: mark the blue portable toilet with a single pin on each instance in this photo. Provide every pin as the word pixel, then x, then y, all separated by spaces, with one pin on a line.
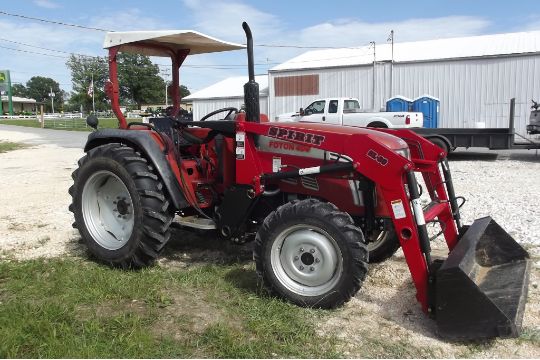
pixel 398 103
pixel 429 106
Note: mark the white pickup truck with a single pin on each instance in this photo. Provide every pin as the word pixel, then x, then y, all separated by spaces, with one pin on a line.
pixel 346 111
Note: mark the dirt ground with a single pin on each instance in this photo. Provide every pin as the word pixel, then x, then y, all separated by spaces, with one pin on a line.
pixel 35 222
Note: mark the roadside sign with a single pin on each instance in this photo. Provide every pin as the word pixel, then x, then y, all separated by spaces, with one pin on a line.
pixel 5 89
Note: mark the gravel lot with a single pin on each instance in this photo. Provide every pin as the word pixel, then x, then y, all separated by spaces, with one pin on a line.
pixel 35 222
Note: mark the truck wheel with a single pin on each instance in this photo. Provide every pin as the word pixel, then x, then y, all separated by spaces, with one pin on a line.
pixel 382 245
pixel 378 124
pixel 441 143
pixel 120 208
pixel 311 254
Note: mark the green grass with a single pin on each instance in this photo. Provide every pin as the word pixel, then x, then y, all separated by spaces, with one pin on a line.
pixel 62 124
pixel 6 146
pixel 75 309
pixel 530 335
pixel 394 348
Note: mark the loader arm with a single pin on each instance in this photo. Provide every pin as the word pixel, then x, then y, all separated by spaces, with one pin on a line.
pixel 378 163
pixel 466 291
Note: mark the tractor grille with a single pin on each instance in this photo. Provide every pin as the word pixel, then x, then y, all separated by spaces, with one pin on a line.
pixel 310 182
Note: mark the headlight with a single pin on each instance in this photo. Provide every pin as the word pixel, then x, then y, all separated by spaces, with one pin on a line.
pixel 405 152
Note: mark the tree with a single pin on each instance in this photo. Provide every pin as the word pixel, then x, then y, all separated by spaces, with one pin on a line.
pixel 139 80
pixel 184 91
pixel 83 68
pixel 39 87
pixel 18 90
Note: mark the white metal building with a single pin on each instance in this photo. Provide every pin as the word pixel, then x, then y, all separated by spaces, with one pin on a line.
pixel 474 77
pixel 226 93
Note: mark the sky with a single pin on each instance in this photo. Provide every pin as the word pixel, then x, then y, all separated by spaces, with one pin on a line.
pixel 337 23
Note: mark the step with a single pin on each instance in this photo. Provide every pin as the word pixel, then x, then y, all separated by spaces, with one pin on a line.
pixel 196 222
pixel 434 209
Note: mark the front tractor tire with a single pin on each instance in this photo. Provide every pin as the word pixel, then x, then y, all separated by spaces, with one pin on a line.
pixel 120 206
pixel 310 253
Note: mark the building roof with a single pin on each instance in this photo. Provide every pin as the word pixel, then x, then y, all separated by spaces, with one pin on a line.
pixel 440 49
pixel 17 99
pixel 152 42
pixel 232 87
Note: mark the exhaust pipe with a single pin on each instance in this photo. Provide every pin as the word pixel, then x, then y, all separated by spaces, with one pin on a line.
pixel 251 88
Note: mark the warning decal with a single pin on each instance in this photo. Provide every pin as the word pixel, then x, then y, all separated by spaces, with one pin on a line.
pixel 276 164
pixel 398 209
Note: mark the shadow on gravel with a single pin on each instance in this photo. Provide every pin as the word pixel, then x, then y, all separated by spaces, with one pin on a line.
pixel 408 314
pixel 515 155
pixel 187 248
pixel 411 317
pixel 468 156
pixel 528 157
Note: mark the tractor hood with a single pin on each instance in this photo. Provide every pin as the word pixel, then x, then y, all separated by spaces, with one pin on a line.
pixel 390 141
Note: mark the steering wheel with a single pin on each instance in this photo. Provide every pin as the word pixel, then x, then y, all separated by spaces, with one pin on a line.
pixel 229 109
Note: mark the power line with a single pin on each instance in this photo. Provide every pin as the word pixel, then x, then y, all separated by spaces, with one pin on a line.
pixel 201 66
pixel 304 47
pixel 31 73
pixel 34 52
pixel 53 22
pixel 44 48
pixel 107 30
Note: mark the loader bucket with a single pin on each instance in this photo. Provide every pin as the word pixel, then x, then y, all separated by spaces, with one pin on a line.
pixel 481 288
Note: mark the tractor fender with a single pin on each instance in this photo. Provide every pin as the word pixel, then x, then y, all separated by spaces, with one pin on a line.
pixel 143 142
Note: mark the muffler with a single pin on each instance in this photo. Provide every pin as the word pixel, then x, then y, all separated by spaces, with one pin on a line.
pixel 481 288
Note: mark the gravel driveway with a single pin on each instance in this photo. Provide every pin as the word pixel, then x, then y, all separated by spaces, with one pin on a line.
pixel 35 222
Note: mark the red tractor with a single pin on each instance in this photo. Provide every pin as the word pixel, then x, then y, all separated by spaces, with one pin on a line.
pixel 319 200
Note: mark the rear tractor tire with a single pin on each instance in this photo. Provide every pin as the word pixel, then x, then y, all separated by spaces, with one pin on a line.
pixel 382 245
pixel 120 206
pixel 310 253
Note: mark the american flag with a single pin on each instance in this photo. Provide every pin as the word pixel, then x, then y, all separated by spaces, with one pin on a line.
pixel 91 88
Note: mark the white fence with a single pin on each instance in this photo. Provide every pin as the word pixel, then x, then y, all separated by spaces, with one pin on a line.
pixel 17 117
pixel 65 123
pixel 63 116
pixel 46 116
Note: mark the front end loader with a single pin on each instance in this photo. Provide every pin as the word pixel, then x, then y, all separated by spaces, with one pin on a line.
pixel 320 201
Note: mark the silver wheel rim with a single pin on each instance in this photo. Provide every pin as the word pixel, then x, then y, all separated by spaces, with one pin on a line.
pixel 107 210
pixel 306 260
pixel 381 237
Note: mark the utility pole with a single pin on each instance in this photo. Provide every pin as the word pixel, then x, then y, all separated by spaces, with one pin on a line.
pixel 372 43
pixel 5 89
pixel 51 95
pixel 391 40
pixel 166 74
pixel 93 101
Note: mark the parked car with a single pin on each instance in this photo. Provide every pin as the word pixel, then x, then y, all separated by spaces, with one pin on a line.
pixel 346 111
